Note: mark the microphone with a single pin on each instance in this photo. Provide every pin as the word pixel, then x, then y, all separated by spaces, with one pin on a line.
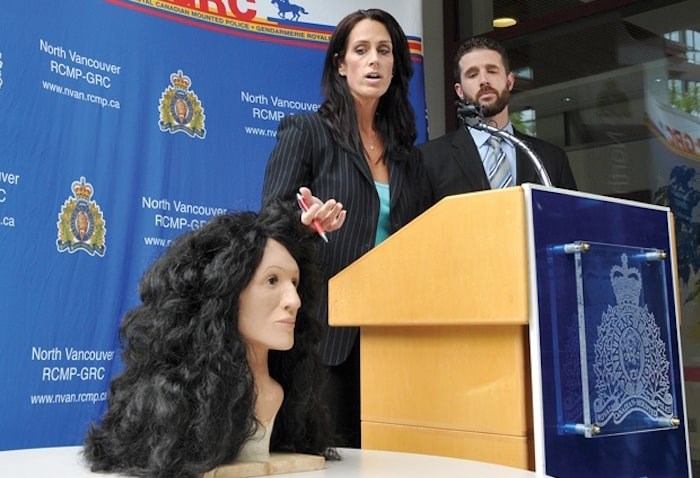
pixel 472 115
pixel 469 113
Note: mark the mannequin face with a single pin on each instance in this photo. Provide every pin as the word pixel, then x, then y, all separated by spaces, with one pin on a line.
pixel 268 305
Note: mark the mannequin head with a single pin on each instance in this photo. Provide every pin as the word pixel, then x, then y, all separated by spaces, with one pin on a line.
pixel 184 402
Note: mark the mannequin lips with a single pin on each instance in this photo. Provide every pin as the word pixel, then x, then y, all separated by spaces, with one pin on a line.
pixel 290 322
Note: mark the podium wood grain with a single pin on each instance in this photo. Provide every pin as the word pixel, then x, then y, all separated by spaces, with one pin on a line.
pixel 443 306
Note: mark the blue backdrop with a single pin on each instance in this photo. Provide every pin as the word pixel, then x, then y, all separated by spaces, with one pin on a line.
pixel 127 123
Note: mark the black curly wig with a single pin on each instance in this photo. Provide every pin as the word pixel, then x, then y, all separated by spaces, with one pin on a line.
pixel 184 402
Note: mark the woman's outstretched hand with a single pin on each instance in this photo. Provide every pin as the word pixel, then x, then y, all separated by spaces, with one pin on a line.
pixel 330 214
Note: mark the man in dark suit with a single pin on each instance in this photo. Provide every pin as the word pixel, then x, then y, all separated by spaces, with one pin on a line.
pixel 454 162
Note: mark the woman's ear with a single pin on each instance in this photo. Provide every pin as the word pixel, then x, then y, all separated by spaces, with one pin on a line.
pixel 339 65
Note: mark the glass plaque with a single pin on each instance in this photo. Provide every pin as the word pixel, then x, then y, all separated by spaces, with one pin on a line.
pixel 615 369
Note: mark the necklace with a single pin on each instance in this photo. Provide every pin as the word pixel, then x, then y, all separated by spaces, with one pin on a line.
pixel 371 144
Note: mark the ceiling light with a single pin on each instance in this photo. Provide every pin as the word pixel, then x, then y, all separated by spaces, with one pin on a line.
pixel 504 22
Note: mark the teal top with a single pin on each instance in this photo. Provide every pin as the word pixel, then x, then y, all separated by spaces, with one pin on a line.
pixel 384 222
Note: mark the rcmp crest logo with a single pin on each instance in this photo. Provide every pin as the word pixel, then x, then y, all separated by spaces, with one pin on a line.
pixel 81 226
pixel 631 365
pixel 180 109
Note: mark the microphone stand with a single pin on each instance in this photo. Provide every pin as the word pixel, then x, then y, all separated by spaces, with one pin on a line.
pixel 471 116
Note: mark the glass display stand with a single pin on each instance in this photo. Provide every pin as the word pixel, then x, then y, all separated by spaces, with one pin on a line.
pixel 614 371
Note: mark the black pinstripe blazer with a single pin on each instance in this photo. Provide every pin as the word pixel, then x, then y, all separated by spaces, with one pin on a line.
pixel 306 155
pixel 454 166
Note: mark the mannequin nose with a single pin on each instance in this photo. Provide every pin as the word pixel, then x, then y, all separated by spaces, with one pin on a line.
pixel 291 300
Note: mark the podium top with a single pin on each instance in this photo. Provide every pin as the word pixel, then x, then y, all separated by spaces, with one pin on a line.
pixel 463 261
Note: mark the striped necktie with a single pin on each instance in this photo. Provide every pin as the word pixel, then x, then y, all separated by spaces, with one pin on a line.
pixel 497 166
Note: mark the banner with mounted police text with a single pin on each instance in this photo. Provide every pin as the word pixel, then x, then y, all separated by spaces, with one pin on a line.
pixel 127 123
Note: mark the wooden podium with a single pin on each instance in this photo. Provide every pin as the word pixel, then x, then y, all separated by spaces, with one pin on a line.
pixel 531 327
pixel 443 310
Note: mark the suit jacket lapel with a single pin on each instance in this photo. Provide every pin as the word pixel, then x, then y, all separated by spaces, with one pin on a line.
pixel 466 155
pixel 526 172
pixel 395 184
pixel 361 163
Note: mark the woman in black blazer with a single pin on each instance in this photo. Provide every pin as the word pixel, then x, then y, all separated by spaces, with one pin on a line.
pixel 357 154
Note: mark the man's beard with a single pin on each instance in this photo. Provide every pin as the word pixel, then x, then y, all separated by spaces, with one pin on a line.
pixel 494 108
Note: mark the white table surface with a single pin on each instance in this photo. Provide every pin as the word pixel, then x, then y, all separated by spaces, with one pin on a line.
pixel 66 462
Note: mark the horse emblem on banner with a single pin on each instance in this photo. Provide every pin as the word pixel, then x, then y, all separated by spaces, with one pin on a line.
pixel 81 226
pixel 180 108
pixel 284 7
pixel 632 370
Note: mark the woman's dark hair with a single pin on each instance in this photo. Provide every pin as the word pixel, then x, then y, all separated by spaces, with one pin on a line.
pixel 184 402
pixel 395 119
